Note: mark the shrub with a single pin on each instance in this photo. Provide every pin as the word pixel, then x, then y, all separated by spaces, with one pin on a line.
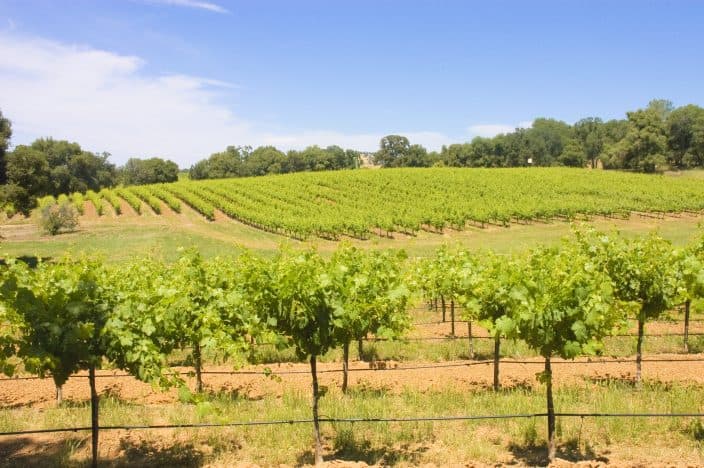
pixel 55 218
pixel 18 197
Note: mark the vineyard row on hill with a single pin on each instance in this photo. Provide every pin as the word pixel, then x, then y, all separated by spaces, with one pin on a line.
pixel 361 203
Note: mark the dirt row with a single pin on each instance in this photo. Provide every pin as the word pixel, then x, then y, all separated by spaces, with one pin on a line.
pixel 384 375
pixel 438 329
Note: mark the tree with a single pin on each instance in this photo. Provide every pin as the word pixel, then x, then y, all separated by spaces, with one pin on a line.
pixel 56 152
pixel 53 167
pixel 590 134
pixel 228 163
pixel 550 134
pixel 417 157
pixel 521 146
pixel 457 155
pixel 199 170
pixel 483 153
pixel 67 324
pixel 314 158
pixel 28 168
pixel 614 131
pixel 18 197
pixel 352 159
pixel 643 274
pixel 5 135
pixel 317 159
pixel 149 171
pixel 73 169
pixel 28 176
pixel 644 145
pixel 573 155
pixel 661 107
pixel 241 161
pixel 685 129
pixel 564 308
pixel 397 151
pixel 391 148
pixel 264 160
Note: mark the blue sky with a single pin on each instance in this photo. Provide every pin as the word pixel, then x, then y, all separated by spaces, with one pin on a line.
pixel 184 78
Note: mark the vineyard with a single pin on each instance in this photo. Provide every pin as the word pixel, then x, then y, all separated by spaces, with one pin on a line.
pixel 295 319
pixel 360 204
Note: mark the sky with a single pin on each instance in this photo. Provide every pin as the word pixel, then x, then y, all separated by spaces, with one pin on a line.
pixel 181 79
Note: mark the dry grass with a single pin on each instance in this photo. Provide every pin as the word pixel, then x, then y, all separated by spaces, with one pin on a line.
pixel 118 238
pixel 670 387
pixel 614 440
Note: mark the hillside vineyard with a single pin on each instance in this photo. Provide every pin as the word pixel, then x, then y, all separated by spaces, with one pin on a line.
pixel 366 202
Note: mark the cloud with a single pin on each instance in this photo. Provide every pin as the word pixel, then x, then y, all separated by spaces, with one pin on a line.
pixel 491 130
pixel 107 102
pixel 215 8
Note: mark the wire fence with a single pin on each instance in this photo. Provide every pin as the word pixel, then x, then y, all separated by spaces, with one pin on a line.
pixel 353 420
pixel 450 337
pixel 484 337
pixel 447 322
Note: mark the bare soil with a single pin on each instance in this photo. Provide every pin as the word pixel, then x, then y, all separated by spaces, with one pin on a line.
pixel 89 211
pixel 389 376
pixel 126 210
pixel 436 328
pixel 184 448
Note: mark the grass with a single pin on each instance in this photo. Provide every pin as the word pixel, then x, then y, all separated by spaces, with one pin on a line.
pixel 618 441
pixel 489 441
pixel 119 244
pixel 511 441
pixel 458 349
pixel 118 239
pixel 444 348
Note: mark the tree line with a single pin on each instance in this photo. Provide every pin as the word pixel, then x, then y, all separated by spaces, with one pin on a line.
pixel 71 315
pixel 657 137
pixel 242 161
pixel 651 139
pixel 55 167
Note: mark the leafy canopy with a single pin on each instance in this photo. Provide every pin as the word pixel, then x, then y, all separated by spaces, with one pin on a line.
pixel 567 304
pixel 66 321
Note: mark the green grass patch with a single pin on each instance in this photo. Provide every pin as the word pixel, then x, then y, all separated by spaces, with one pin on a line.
pixel 485 441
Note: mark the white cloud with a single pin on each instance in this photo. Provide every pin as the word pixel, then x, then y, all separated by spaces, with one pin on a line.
pixel 106 102
pixel 491 130
pixel 103 101
pixel 193 4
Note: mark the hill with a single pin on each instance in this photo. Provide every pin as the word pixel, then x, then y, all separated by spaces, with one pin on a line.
pixel 412 208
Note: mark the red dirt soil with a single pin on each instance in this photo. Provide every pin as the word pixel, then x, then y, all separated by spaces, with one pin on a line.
pixel 427 376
